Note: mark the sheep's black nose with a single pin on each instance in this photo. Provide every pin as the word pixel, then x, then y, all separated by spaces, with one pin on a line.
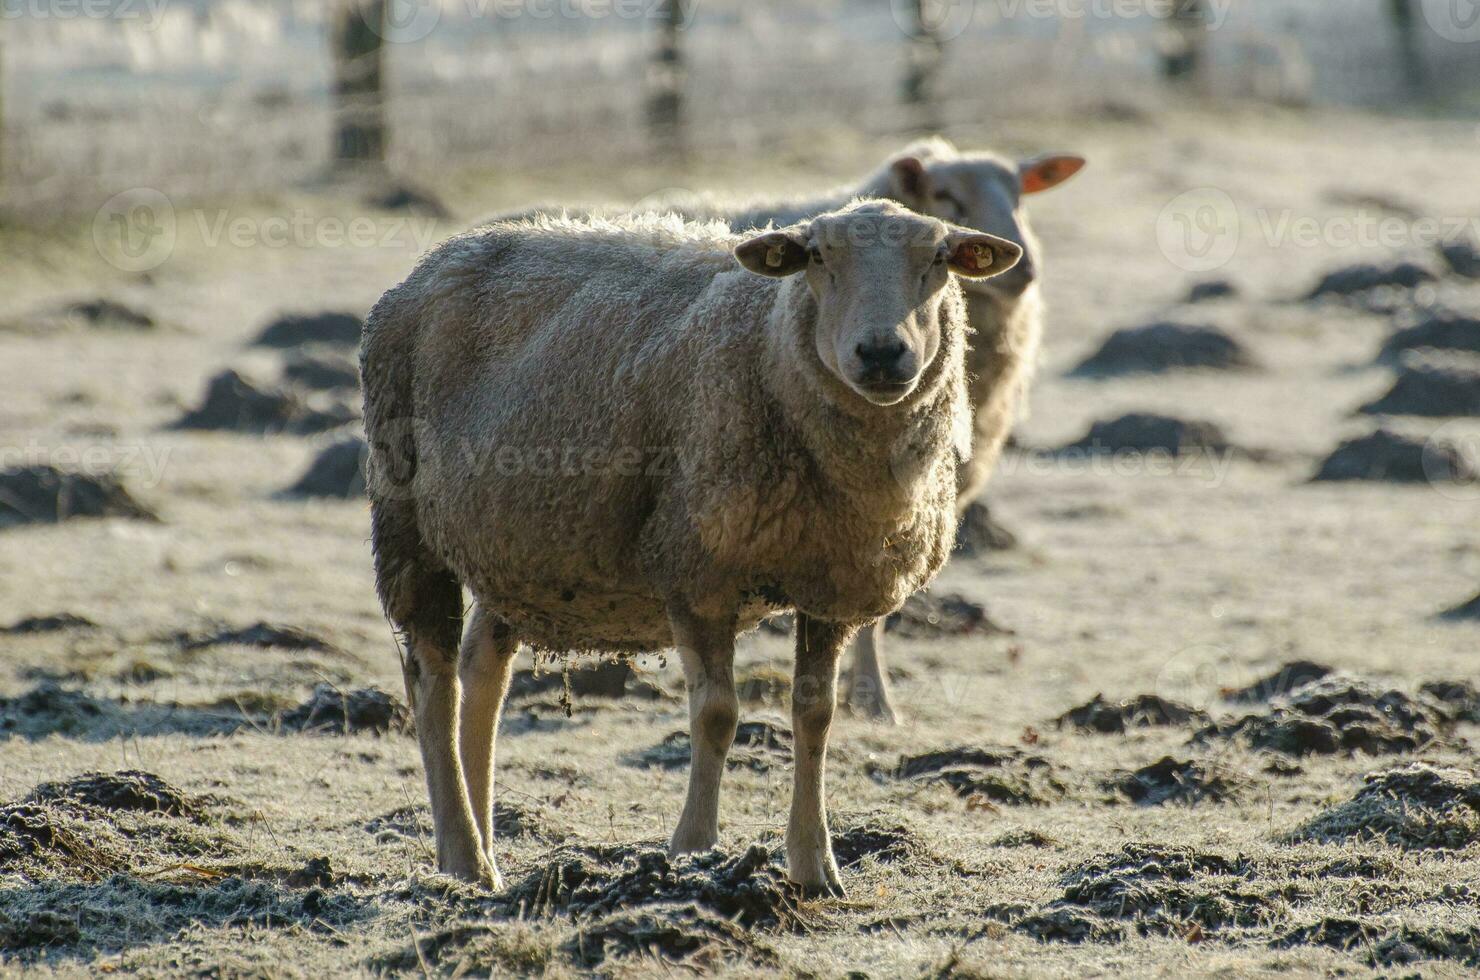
pixel 885 361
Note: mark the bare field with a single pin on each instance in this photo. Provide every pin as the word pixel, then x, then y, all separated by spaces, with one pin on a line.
pixel 1315 821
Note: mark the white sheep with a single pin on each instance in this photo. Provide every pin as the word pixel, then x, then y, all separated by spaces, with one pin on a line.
pixel 982 191
pixel 619 440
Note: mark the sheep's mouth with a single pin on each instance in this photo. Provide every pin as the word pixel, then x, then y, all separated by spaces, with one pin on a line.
pixel 886 392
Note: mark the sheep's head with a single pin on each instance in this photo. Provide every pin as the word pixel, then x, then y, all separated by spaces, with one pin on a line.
pixel 981 191
pixel 878 273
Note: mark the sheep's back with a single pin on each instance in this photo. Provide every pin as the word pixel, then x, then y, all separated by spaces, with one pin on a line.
pixel 555 381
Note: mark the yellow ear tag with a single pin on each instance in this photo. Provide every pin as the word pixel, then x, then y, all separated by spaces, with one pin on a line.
pixel 983 255
pixel 775 255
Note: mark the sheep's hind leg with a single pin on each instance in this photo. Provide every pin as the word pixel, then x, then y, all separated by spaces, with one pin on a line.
pixel 809 854
pixel 424 601
pixel 707 647
pixel 484 666
pixel 868 691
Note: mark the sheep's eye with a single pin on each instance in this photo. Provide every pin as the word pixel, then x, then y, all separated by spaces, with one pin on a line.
pixel 815 254
pixel 940 257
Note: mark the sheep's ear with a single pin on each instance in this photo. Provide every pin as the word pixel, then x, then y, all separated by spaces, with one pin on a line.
pixel 909 180
pixel 776 254
pixel 1049 170
pixel 978 256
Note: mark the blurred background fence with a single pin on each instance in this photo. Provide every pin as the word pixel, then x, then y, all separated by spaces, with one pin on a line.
pixel 208 95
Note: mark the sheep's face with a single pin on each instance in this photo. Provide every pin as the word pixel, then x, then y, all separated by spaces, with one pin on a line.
pixel 984 192
pixel 878 273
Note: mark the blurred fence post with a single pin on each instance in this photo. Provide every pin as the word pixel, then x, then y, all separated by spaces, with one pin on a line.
pixel 359 106
pixel 666 78
pixel 1183 46
pixel 1415 72
pixel 924 55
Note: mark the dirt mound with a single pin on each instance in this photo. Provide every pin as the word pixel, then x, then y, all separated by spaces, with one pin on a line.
pixel 1295 674
pixel 1142 711
pixel 1062 925
pixel 405 197
pixel 878 837
pixel 332 711
pixel 1388 456
pixel 1005 775
pixel 1337 714
pixel 759 746
pixel 51 623
pixel 49 709
pixel 234 404
pixel 338 471
pixel 1387 943
pixel 1467 610
pixel 261 634
pixel 1360 278
pixel 1145 432
pixel 1415 807
pixel 978 533
pixel 1164 889
pixel 1463 258
pixel 123 912
pixel 683 934
pixel 596 881
pixel 414 822
pixel 297 329
pixel 99 823
pixel 599 679
pixel 322 370
pixel 46 495
pixel 1443 330
pixel 128 789
pixel 1165 346
pixel 1202 292
pixel 1430 390
pixel 108 314
pixel 1024 838
pixel 1170 780
pixel 1459 700
pixel 928 616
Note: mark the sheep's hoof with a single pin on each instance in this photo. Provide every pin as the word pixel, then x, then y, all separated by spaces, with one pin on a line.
pixel 481 872
pixel 831 888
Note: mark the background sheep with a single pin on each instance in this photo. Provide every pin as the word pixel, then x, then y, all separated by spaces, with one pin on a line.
pixel 796 444
pixel 979 190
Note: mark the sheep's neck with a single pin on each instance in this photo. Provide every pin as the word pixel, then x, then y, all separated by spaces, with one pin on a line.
pixel 858 450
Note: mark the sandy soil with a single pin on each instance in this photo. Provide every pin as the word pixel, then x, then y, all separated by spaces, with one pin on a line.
pixel 269 850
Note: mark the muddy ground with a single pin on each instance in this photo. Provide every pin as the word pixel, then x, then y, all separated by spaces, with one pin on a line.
pixel 1214 717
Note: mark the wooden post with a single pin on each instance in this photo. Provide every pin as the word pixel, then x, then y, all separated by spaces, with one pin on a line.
pixel 1410 51
pixel 1182 54
pixel 924 55
pixel 359 107
pixel 666 77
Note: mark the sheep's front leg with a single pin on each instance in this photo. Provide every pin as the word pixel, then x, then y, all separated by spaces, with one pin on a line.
pixel 707 646
pixel 483 667
pixel 809 855
pixel 433 690
pixel 868 681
